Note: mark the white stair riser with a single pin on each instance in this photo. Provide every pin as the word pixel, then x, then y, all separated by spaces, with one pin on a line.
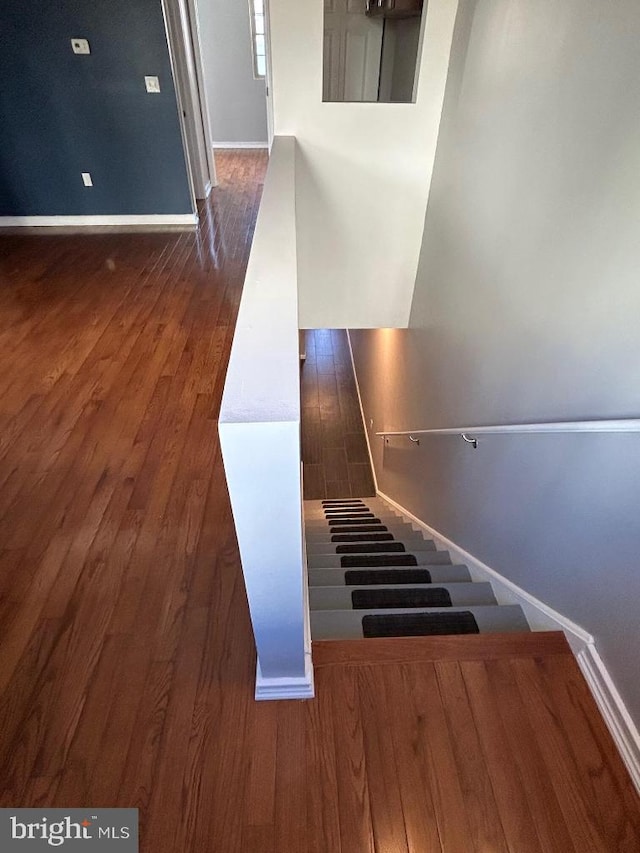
pixel 347 624
pixel 439 574
pixel 396 530
pixel 409 548
pixel 340 597
pixel 411 541
pixel 331 561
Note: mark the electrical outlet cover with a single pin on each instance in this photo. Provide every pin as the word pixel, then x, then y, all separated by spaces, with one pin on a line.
pixel 152 84
pixel 80 46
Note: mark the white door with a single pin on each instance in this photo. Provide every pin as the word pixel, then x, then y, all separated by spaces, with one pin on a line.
pixel 352 51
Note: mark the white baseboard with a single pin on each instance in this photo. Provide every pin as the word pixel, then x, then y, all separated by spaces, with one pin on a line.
pixel 541 617
pixel 286 688
pixel 613 710
pixel 364 423
pixel 291 688
pixel 240 145
pixel 142 221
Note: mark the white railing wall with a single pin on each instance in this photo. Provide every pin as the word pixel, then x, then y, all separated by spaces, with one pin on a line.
pixel 260 438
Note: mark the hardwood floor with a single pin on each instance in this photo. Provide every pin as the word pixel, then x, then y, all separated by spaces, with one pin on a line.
pixel 127 665
pixel 118 561
pixel 334 446
pixel 449 744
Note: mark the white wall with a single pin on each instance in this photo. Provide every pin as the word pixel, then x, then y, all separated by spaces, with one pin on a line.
pixel 259 428
pixel 236 101
pixel 526 309
pixel 362 175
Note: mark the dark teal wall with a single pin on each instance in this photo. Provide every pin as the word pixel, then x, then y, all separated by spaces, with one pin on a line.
pixel 62 114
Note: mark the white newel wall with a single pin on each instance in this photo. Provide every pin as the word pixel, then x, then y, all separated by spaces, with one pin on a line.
pixel 260 438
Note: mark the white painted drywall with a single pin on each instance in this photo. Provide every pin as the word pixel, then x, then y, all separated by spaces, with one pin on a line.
pixel 260 438
pixel 526 309
pixel 236 101
pixel 363 173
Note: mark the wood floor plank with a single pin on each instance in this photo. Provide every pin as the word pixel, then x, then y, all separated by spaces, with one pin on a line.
pixel 167 783
pixel 323 809
pixel 382 773
pixel 405 731
pixel 578 810
pixel 259 839
pixel 482 811
pixel 356 830
pixel 510 795
pixel 290 809
pixel 594 754
pixel 135 665
pixel 19 712
pixel 545 810
pixel 435 750
pixel 259 805
pixel 138 769
pixel 105 726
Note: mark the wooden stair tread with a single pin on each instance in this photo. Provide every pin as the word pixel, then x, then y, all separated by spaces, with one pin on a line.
pixel 448 647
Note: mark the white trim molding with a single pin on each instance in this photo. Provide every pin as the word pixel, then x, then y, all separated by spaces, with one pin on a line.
pixel 240 145
pixel 151 220
pixel 286 688
pixel 292 688
pixel 612 707
pixel 541 617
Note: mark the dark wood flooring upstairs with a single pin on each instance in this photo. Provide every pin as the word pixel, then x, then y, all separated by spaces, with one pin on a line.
pixel 127 664
pixel 334 447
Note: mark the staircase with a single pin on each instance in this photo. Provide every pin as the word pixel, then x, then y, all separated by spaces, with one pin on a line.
pixel 372 574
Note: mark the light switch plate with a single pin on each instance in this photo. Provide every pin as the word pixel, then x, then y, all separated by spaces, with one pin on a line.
pixel 152 84
pixel 80 46
pixel 86 179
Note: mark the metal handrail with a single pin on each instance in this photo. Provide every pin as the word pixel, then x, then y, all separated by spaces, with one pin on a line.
pixel 468 433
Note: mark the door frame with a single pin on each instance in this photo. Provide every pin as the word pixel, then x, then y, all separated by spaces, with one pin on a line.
pixel 268 75
pixel 180 18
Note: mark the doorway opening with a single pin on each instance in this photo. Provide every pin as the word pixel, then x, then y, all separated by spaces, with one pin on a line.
pixel 188 75
pixel 221 64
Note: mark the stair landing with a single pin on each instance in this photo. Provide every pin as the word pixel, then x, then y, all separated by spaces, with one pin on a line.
pixel 450 647
pixel 461 743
